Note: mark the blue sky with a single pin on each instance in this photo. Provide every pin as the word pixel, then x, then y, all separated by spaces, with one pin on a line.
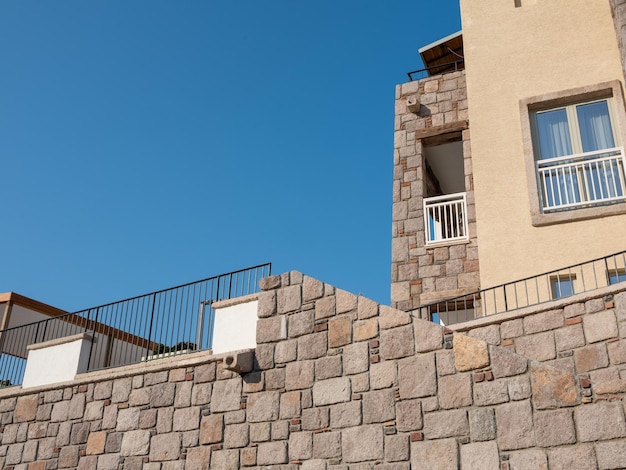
pixel 145 144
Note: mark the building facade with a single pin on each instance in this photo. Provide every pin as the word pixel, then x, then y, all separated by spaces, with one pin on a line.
pixel 537 117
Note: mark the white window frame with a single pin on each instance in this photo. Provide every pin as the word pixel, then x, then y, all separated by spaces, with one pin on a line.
pixel 568 99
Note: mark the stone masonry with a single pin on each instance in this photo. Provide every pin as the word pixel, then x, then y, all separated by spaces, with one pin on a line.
pixel 421 274
pixel 618 8
pixel 340 383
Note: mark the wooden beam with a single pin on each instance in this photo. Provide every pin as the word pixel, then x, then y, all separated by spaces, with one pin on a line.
pixel 440 130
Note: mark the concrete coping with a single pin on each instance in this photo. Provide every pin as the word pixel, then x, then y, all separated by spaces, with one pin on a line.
pixel 58 341
pixel 169 363
pixel 498 318
pixel 244 299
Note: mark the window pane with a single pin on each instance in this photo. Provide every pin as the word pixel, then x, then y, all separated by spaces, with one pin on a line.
pixel 554 136
pixel 616 276
pixel 595 126
pixel 562 287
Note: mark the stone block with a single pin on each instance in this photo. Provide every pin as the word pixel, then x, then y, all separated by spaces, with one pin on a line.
pixel 121 390
pixel 439 454
pixel 365 329
pixel 591 357
pixel 455 391
pixel 441 424
pixel 263 406
pixel 327 445
pixel 570 337
pixel 428 336
pixel 211 429
pixel 127 419
pixel 480 455
pixel 573 310
pixel 514 422
pixel 580 457
pixel 383 375
pixel 530 459
pixel 26 408
pixel 312 289
pixel 201 394
pixel 138 397
pixel 259 432
pixel 505 363
pixel 135 443
pixel 397 449
pixel 95 409
pixel 538 347
pixel 445 362
pixel 617 352
pixel 339 331
pixel 286 351
pixel 482 423
pixel 392 318
pixel 469 353
pixel 80 433
pixel 600 326
pixel 271 329
pixel 165 447
pixel 290 405
pixel 554 428
pixel 312 346
pixel 489 334
pixel 600 421
pixel 543 321
pixel 331 391
pixel 611 455
pixel 594 305
pixel 362 444
pixel 366 308
pixel 519 388
pixel 315 418
pixel 198 458
pixel 113 442
pixel 491 393
pixel 226 395
pixel 356 358
pixel 328 367
pixel 409 415
pixel 267 304
pixel 511 329
pixel 162 394
pixel 379 406
pixel 289 299
pixel 417 376
pixel 301 323
pixel 165 416
pixel 300 445
pixel 299 375
pixel 397 342
pixel 325 307
pixel 272 453
pixel 264 356
pixel 236 435
pixel 103 390
pixel 68 457
pixel 186 419
pixel 345 415
pixel 346 301
pixel 60 411
pixel 225 460
pixel 274 379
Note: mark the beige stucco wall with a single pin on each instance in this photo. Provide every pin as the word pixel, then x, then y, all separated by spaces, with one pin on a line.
pixel 515 53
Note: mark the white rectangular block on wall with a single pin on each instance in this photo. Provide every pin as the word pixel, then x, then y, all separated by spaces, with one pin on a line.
pixel 56 361
pixel 235 324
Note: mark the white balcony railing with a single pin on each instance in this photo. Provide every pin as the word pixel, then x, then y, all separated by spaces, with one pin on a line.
pixel 445 218
pixel 582 180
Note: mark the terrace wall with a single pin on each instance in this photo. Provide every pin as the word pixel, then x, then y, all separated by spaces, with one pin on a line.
pixel 340 383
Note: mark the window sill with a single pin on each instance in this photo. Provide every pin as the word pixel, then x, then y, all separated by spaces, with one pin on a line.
pixel 541 220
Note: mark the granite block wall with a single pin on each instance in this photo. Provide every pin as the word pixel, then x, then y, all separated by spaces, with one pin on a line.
pixel 422 274
pixel 340 383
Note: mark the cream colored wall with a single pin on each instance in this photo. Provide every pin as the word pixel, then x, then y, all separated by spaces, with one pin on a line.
pixel 512 54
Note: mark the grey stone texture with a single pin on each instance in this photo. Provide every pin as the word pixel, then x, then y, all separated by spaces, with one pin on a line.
pixel 373 403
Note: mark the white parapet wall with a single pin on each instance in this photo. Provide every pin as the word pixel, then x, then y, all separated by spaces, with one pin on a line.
pixel 58 360
pixel 234 324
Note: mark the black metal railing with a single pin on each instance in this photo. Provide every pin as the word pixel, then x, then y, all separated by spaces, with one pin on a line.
pixel 553 285
pixel 172 321
pixel 437 70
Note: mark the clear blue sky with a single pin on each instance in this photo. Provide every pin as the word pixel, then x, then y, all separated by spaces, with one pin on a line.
pixel 149 143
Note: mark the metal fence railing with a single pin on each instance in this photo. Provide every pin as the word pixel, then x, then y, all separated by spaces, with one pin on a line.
pixel 437 70
pixel 151 326
pixel 446 218
pixel 553 285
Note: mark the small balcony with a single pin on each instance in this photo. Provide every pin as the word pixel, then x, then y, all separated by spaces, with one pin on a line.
pixel 446 218
pixel 582 180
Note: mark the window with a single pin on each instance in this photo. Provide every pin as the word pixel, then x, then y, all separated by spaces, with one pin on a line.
pixel 616 275
pixel 578 163
pixel 562 286
pixel 574 160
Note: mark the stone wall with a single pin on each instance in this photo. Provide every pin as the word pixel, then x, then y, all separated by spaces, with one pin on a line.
pixel 341 383
pixel 421 274
pixel 585 335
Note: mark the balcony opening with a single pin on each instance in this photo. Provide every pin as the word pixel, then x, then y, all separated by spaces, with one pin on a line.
pixel 445 203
